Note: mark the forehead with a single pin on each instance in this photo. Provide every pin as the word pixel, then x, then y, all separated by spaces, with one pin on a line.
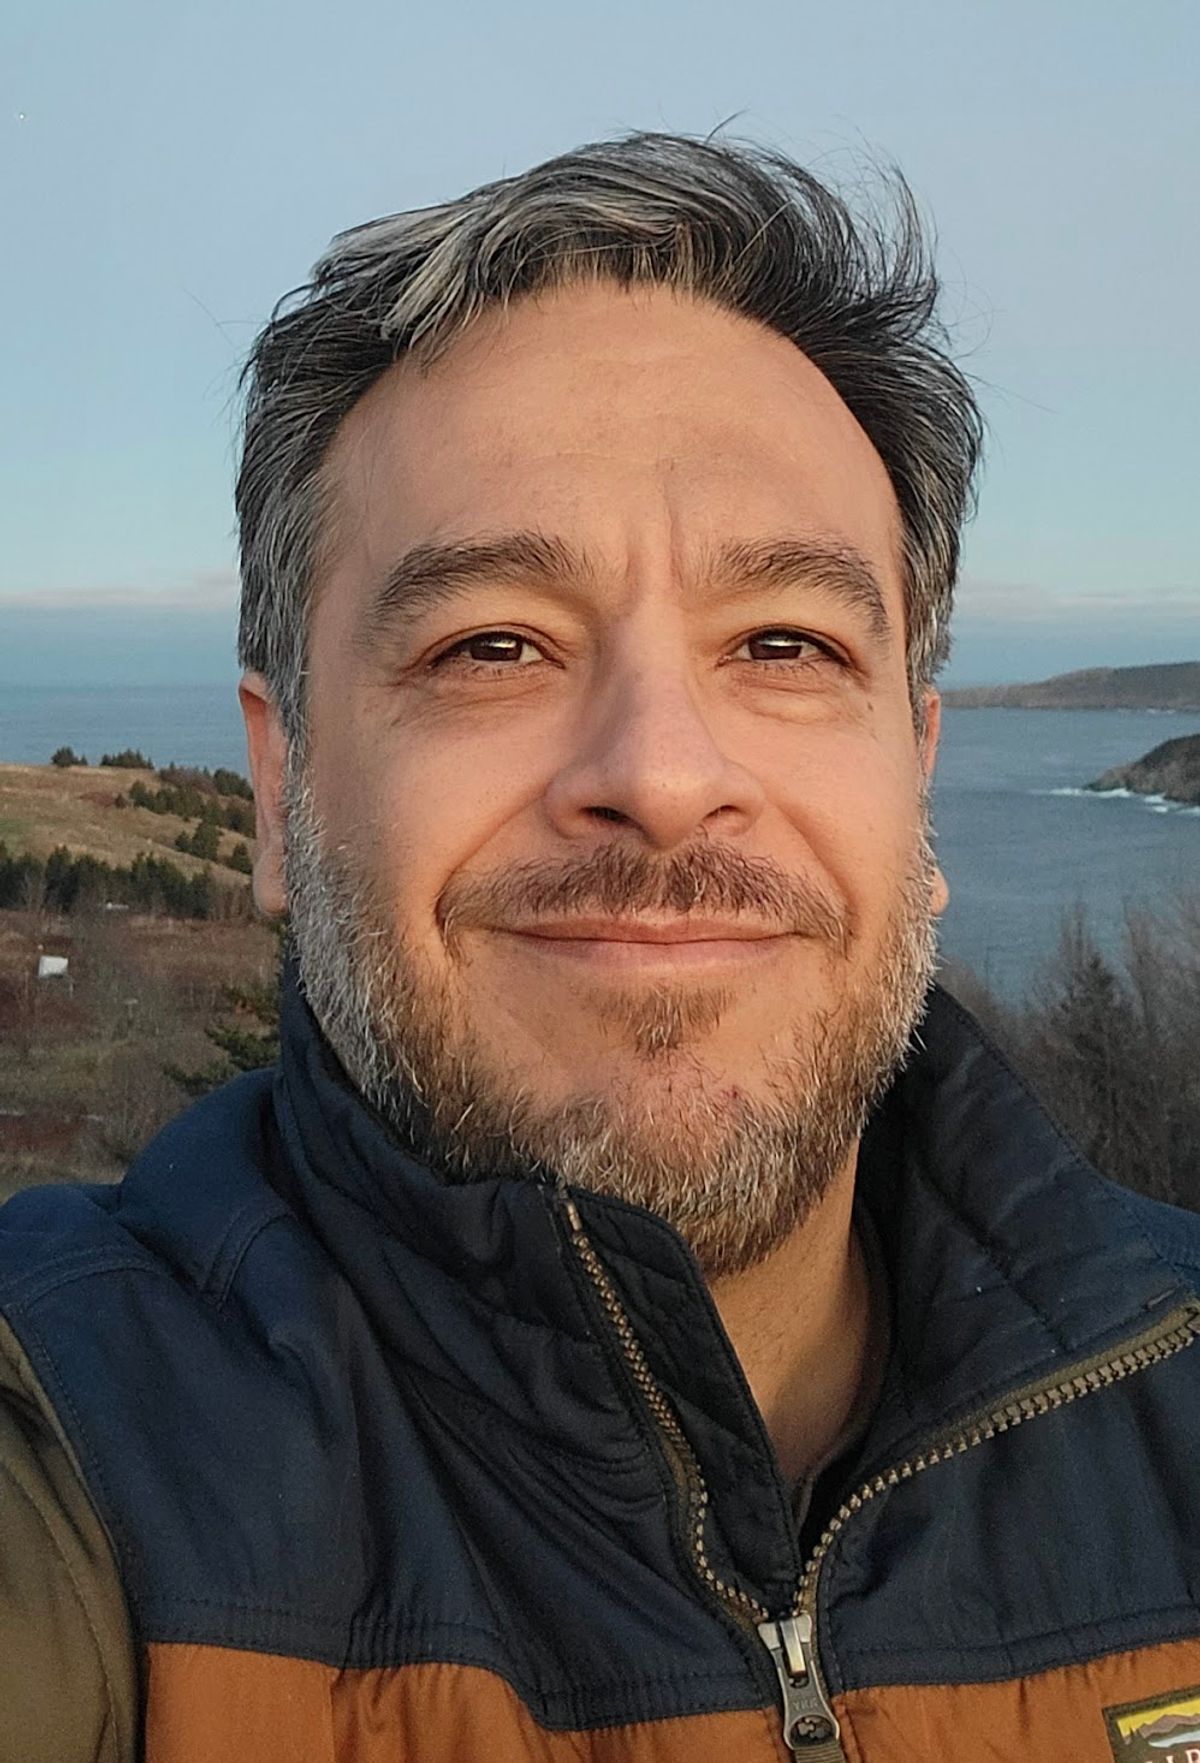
pixel 626 419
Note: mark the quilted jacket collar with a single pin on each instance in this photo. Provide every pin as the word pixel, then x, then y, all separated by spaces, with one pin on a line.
pixel 1004 1246
pixel 1008 1258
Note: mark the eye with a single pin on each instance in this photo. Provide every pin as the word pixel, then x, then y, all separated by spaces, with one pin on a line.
pixel 487 651
pixel 786 645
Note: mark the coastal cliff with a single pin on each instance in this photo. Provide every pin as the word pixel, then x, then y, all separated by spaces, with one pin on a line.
pixel 1173 685
pixel 1171 770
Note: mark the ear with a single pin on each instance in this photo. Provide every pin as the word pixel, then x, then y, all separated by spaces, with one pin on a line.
pixel 268 748
pixel 940 889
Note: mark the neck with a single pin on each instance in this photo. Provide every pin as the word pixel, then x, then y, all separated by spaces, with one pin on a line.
pixel 798 1321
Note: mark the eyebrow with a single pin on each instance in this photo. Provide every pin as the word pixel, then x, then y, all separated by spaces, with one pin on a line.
pixel 841 571
pixel 430 574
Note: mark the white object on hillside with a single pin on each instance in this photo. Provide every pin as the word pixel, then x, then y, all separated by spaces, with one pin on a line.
pixel 52 966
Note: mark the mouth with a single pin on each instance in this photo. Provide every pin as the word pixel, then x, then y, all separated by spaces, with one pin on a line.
pixel 645 946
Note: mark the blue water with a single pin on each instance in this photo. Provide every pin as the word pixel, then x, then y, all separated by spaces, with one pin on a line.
pixel 197 725
pixel 1016 849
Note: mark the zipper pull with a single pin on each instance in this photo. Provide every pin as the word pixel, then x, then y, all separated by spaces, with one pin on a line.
pixel 810 1726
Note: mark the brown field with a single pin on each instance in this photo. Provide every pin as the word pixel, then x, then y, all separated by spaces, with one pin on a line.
pixel 43 806
pixel 82 1084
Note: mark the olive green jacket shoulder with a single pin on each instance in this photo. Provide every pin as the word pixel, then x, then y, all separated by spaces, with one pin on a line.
pixel 68 1671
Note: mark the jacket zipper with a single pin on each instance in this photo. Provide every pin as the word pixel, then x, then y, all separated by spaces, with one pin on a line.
pixel 811 1729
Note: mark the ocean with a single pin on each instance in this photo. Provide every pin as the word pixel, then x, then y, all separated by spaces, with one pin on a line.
pixel 1021 841
pixel 1018 837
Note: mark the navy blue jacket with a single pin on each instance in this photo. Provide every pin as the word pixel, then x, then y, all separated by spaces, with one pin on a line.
pixel 373 1454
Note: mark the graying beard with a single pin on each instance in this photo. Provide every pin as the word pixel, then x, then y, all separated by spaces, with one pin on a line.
pixel 733 1191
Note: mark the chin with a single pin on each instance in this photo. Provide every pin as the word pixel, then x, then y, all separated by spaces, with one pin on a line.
pixel 667 1030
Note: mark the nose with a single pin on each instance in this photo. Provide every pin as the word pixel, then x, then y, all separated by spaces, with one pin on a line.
pixel 649 757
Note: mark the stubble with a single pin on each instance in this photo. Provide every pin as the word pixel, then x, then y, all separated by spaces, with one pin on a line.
pixel 735 1174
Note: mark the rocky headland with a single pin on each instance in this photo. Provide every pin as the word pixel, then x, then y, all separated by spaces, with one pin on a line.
pixel 1171 770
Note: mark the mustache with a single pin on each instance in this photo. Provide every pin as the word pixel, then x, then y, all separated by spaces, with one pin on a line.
pixel 621 880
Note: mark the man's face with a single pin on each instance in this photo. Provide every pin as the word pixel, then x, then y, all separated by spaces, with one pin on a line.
pixel 611 842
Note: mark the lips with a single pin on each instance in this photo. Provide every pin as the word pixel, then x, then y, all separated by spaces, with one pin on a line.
pixel 623 949
pixel 640 930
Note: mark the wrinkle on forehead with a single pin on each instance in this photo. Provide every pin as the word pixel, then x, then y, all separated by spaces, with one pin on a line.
pixel 607 415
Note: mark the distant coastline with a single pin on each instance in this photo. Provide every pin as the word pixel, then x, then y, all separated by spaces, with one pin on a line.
pixel 1169 686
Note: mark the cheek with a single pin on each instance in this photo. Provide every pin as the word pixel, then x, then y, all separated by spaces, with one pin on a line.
pixel 858 813
pixel 418 811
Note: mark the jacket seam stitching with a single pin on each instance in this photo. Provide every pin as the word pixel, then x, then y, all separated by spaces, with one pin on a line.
pixel 1065 1141
pixel 988 1249
pixel 619 1377
pixel 540 1690
pixel 736 1377
pixel 223 1287
pixel 1173 1254
pixel 27 1289
pixel 1066 1632
pixel 631 1455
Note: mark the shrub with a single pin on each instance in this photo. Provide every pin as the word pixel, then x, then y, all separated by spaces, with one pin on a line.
pixel 129 759
pixel 220 782
pixel 190 795
pixel 75 882
pixel 246 1033
pixel 64 883
pixel 22 882
pixel 64 756
pixel 206 840
pixel 232 783
pixel 187 777
pixel 1109 1043
pixel 203 841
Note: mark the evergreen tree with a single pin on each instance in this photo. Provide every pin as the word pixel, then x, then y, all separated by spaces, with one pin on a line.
pixel 232 783
pixel 206 841
pixel 129 759
pixel 246 1033
pixel 22 881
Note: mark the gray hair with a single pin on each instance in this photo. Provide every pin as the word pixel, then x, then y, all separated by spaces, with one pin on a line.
pixel 737 225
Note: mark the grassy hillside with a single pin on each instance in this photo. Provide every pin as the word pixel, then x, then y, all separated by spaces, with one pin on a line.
pixel 84 1061
pixel 45 806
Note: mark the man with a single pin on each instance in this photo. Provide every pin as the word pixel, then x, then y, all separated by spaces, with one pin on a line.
pixel 639 1319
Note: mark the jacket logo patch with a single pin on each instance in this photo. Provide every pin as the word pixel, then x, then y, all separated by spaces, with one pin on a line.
pixel 1163 1730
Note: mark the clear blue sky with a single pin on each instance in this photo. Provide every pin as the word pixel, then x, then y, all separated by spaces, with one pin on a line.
pixel 167 171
